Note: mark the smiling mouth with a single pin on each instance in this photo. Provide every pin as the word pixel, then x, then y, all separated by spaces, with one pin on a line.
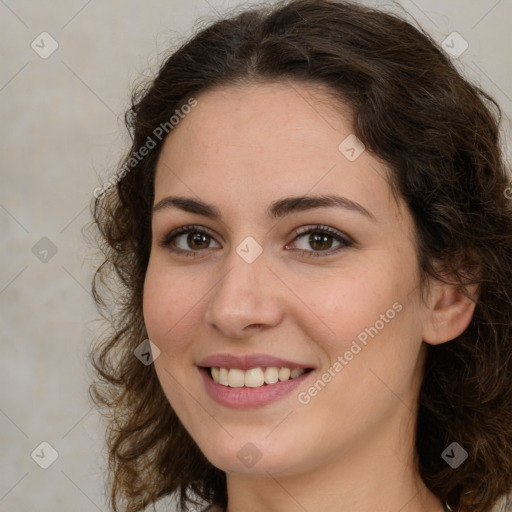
pixel 254 377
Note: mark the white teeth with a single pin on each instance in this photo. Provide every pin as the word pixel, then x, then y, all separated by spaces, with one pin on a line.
pixel 284 373
pixel 254 377
pixel 296 372
pixel 236 378
pixel 271 375
pixel 223 376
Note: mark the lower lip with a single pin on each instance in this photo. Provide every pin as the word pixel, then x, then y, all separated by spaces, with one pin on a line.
pixel 249 397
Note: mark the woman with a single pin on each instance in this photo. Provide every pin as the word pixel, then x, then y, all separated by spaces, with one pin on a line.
pixel 312 229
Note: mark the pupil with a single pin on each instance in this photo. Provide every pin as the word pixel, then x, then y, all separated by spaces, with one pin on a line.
pixel 321 239
pixel 196 239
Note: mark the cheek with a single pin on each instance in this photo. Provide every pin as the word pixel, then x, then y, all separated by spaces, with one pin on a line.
pixel 344 302
pixel 167 302
pixel 154 303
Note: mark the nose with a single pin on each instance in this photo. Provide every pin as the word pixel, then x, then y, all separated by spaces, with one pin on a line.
pixel 246 299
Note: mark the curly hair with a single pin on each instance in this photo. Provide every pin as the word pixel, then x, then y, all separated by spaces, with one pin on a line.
pixel 439 135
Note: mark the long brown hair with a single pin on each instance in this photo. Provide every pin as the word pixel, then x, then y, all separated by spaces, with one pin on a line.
pixel 439 135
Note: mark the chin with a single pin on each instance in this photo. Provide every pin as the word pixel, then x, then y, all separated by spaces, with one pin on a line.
pixel 240 455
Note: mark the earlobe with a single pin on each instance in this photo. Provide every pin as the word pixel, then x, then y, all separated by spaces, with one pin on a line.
pixel 451 311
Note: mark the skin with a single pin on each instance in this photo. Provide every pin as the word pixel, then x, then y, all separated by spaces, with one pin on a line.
pixel 352 446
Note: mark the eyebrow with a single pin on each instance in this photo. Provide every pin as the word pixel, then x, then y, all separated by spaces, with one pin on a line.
pixel 276 210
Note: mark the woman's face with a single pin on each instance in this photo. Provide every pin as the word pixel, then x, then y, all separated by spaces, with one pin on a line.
pixel 255 289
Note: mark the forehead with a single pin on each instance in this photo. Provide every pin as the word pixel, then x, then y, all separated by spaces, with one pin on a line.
pixel 256 142
pixel 246 116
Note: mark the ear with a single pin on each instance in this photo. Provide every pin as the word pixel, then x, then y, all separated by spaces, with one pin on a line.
pixel 450 309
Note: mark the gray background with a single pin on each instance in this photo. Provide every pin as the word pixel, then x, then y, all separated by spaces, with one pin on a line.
pixel 62 135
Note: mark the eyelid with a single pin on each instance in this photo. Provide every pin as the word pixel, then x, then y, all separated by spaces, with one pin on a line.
pixel 182 230
pixel 324 228
pixel 339 236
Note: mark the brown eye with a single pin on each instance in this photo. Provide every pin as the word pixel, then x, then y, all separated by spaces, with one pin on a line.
pixel 320 241
pixel 196 240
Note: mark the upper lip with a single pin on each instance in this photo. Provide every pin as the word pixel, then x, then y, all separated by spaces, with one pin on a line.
pixel 245 362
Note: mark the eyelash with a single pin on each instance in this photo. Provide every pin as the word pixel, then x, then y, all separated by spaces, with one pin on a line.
pixel 347 242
